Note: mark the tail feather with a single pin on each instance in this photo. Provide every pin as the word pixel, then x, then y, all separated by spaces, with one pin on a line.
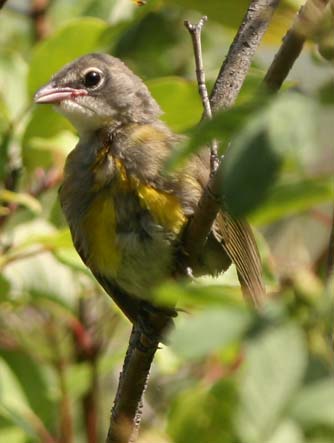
pixel 239 243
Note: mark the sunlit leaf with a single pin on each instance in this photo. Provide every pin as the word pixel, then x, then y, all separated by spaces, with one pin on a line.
pixel 314 404
pixel 202 293
pixel 13 71
pixel 289 197
pixel 287 432
pixel 179 100
pixel 33 383
pixel 280 135
pixel 198 413
pixel 26 200
pixel 208 331
pixel 273 370
pixel 223 126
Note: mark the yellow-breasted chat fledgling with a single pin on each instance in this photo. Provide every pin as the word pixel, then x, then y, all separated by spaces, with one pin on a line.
pixel 126 215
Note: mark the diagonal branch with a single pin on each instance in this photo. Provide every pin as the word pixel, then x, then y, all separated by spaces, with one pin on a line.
pixel 237 63
pixel 127 409
pixel 304 25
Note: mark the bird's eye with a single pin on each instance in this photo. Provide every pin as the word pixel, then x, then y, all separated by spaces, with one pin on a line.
pixel 92 78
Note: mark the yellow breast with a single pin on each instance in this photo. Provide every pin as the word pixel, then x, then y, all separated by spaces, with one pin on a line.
pixel 105 251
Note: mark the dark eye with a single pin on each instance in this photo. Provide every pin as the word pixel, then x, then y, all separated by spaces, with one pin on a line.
pixel 92 78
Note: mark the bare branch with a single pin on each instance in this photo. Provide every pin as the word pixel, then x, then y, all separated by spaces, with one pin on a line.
pixel 195 32
pixel 236 65
pixel 126 413
pixel 304 25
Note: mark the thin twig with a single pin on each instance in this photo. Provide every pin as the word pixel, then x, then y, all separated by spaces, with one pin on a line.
pixel 195 32
pixel 226 89
pixel 305 23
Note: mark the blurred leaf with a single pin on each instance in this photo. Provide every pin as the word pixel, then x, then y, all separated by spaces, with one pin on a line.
pixel 26 200
pixel 289 197
pixel 52 240
pixel 11 434
pixel 281 134
pixel 159 56
pixel 13 404
pixel 47 139
pixel 179 100
pixel 222 126
pixel 79 379
pixel 20 420
pixel 201 293
pixel 287 432
pixel 4 288
pixel 33 383
pixel 39 274
pixel 314 404
pixel 208 331
pixel 274 367
pixel 204 415
pixel 76 38
pixel 60 244
pixel 13 70
pixel 230 13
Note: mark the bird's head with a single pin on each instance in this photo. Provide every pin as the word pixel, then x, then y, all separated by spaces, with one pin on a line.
pixel 98 90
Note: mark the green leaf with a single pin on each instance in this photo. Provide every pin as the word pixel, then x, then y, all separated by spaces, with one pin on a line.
pixel 13 71
pixel 11 434
pixel 4 288
pixel 39 274
pixel 23 199
pixel 46 140
pixel 178 99
pixel 222 126
pixel 203 414
pixel 274 367
pixel 248 170
pixel 283 133
pixel 314 404
pixel 208 331
pixel 287 432
pixel 289 197
pixel 76 38
pixel 33 383
pixel 13 403
pixel 206 291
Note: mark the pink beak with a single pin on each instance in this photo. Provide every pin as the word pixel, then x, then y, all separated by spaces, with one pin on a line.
pixel 55 94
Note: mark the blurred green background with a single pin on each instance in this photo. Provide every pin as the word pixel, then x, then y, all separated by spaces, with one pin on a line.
pixel 229 375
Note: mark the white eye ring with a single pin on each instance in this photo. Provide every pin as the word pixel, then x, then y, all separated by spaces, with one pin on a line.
pixel 93 78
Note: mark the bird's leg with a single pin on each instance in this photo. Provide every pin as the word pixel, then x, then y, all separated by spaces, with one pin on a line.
pixel 153 324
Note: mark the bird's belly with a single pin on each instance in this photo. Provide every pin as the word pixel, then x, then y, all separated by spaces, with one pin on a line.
pixel 126 242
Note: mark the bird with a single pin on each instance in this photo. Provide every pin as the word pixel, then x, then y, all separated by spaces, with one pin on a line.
pixel 126 213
